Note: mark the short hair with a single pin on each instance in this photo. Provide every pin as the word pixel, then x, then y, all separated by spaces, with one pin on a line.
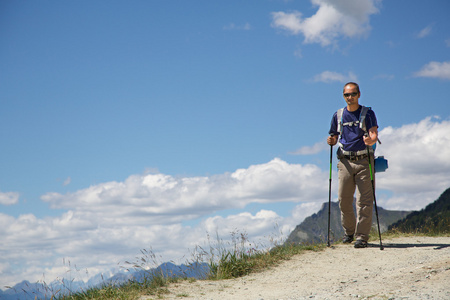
pixel 353 83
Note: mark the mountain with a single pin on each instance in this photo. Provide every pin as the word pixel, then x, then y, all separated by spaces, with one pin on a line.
pixel 26 290
pixel 314 229
pixel 168 269
pixel 434 218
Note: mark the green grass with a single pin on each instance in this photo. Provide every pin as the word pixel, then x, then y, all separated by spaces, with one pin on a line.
pixel 226 259
pixel 154 285
pixel 243 257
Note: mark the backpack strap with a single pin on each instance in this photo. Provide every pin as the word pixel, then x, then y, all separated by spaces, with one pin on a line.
pixel 362 118
pixel 361 122
pixel 339 114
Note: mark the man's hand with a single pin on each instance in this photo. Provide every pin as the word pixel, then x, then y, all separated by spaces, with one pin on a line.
pixel 372 137
pixel 332 140
pixel 368 141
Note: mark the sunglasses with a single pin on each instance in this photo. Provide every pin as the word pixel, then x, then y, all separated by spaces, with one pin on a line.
pixel 350 94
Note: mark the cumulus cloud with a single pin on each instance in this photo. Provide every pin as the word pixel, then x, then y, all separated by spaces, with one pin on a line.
pixel 329 76
pixel 435 69
pixel 111 221
pixel 419 168
pixel 108 223
pixel 9 198
pixel 158 196
pixel 332 21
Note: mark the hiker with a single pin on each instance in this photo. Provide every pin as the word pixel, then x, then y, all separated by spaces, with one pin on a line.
pixel 354 128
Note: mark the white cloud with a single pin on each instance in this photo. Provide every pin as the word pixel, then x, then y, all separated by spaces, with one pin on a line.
pixel 9 198
pixel 233 26
pixel 333 20
pixel 329 76
pixel 163 196
pixel 424 32
pixel 288 21
pixel 106 224
pixel 419 168
pixel 308 150
pixel 435 69
pixel 67 181
pixel 262 224
pixel 298 53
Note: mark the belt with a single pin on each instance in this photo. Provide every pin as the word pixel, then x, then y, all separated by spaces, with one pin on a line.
pixel 355 157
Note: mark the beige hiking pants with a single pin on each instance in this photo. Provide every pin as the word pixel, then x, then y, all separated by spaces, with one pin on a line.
pixel 355 175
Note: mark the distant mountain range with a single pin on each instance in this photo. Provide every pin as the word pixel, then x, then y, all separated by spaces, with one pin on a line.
pixel 26 290
pixel 314 229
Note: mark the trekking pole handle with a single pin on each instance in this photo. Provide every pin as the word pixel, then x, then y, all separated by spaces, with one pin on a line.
pixel 366 134
pixel 332 135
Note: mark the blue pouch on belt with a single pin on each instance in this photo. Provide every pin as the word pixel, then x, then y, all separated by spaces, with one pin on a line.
pixel 381 164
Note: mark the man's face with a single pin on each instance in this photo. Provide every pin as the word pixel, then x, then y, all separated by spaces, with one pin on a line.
pixel 351 94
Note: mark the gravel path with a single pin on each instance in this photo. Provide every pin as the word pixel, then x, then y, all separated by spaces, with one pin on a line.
pixel 408 268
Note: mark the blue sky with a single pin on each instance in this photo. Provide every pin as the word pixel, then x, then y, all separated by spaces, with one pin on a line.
pixel 138 123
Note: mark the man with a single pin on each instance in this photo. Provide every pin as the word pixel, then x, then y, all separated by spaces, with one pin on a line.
pixel 353 165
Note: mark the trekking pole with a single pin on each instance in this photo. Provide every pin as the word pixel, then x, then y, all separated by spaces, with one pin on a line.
pixel 374 198
pixel 329 195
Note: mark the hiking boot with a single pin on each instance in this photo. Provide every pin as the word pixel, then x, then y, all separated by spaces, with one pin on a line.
pixel 347 239
pixel 360 244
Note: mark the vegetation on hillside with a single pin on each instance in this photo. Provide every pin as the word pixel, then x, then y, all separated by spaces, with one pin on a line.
pixel 433 219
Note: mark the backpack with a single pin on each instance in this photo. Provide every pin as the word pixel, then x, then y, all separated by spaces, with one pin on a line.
pixel 361 121
pixel 381 164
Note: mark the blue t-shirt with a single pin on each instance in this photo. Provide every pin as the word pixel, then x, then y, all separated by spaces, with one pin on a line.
pixel 352 136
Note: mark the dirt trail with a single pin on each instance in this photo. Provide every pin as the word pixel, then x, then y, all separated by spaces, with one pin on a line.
pixel 408 268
